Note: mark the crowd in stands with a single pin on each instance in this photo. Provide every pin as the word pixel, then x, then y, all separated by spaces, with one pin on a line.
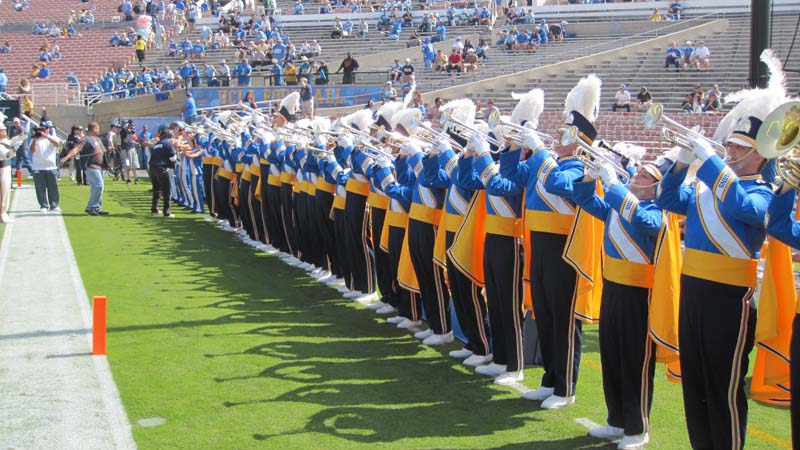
pixel 688 56
pixel 697 101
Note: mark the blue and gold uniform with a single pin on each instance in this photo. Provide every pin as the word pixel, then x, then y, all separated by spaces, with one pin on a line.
pixel 627 353
pixel 287 177
pixel 502 261
pixel 359 239
pixel 338 170
pixel 724 233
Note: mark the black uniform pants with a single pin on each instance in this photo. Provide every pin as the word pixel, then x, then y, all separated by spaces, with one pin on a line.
pixel 314 233
pixel 470 306
pixel 502 267
pixel 340 234
pixel 274 220
pixel 323 201
pixel 209 170
pixel 265 227
pixel 553 284
pixel 287 218
pixel 377 218
pixel 435 298
pixel 254 208
pixel 298 213
pixel 627 355
pixel 159 178
pixel 244 206
pixel 220 187
pixel 359 243
pixel 794 354
pixel 716 334
pixel 407 303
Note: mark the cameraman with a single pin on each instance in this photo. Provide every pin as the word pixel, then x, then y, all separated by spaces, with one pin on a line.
pixel 127 152
pixel 44 151
pixel 162 158
pixel 92 151
pixel 74 139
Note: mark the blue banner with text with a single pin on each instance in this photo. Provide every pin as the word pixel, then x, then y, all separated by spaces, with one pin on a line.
pixel 324 96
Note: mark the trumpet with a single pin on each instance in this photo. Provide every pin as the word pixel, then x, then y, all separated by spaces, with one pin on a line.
pixel 467 132
pixel 218 130
pixel 778 138
pixel 431 136
pixel 592 156
pixel 518 135
pixel 677 134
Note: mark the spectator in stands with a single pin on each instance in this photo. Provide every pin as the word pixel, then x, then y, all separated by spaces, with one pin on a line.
pixel 363 28
pixel 141 46
pixel 115 40
pixel 388 93
pixel 407 86
pixel 322 73
pixel 189 109
pixel 347 28
pixel 490 108
pixel 656 16
pixel 408 68
pixel 396 71
pixel 471 61
pixel 454 62
pixel 192 12
pixel 349 66
pixel 290 71
pixel 172 49
pixel 714 90
pixel 688 103
pixel 622 99
pixel 304 71
pixel 440 62
pixel 441 32
pixel 458 45
pixel 307 97
pixel 277 73
pixel 643 99
pixel 224 73
pixel 417 102
pixel 3 81
pixel 316 49
pixel 199 50
pixel 674 57
pixel 483 49
pixel 686 54
pixel 244 71
pixel 72 80
pixel 676 10
pixel 325 8
pixel 210 74
pixel 126 8
pixel 5 48
pixel 299 7
pixel 428 53
pixel 702 56
pixel 712 104
pixel 397 27
pixel 434 111
pixel 44 71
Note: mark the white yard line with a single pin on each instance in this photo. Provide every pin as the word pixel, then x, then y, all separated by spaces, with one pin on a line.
pixel 55 394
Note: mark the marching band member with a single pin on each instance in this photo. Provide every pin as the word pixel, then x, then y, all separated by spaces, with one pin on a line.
pixel 269 230
pixel 426 207
pixel 324 198
pixel 210 165
pixel 399 186
pixel 243 188
pixel 287 114
pixel 336 166
pixel 254 206
pixel 359 242
pixel 273 195
pixel 725 229
pixel 633 224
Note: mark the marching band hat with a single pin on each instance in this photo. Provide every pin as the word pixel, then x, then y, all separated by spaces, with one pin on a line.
pixel 582 107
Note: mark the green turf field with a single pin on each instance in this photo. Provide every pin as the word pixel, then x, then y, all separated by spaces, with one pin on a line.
pixel 236 350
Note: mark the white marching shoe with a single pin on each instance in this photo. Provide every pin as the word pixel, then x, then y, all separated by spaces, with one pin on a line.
pixel 294 262
pixel 608 433
pixel 395 320
pixel 353 294
pixel 538 394
pixel 491 370
pixel 478 360
pixel 424 334
pixel 439 339
pixel 376 306
pixel 343 289
pixel 461 354
pixel 386 309
pixel 505 379
pixel 366 299
pixel 635 441
pixel 409 324
pixel 556 402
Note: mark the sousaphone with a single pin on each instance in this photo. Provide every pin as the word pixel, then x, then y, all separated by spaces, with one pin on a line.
pixel 24 86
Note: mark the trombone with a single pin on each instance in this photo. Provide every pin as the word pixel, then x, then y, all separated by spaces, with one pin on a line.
pixel 592 156
pixel 518 135
pixel 677 134
pixel 431 136
pixel 364 141
pixel 468 132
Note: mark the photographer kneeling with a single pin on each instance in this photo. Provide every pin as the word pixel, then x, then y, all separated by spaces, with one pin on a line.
pixel 162 158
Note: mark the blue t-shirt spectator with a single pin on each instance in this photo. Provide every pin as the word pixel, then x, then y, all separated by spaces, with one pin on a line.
pixel 44 72
pixel 114 41
pixel 189 109
pixel 278 51
pixel 199 49
pixel 441 32
pixel 243 71
pixel 185 71
pixel 277 74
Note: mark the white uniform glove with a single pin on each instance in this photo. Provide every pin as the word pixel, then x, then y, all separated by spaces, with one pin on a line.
pixel 686 156
pixel 533 141
pixel 383 162
pixel 331 158
pixel 702 148
pixel 409 148
pixel 442 145
pixel 345 141
pixel 608 174
pixel 593 172
pixel 321 141
pixel 479 145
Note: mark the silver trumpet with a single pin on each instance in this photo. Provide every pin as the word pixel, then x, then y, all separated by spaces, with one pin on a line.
pixel 592 156
pixel 467 132
pixel 432 137
pixel 676 133
pixel 518 135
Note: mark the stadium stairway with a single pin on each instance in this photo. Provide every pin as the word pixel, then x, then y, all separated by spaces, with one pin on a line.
pixel 57 11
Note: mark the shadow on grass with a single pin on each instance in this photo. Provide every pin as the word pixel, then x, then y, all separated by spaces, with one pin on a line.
pixel 369 383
